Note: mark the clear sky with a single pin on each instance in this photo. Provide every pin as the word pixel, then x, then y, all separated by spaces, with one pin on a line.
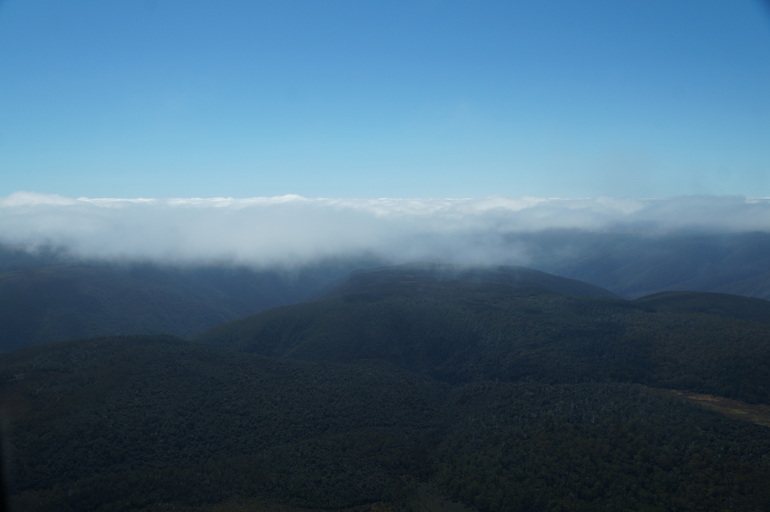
pixel 369 98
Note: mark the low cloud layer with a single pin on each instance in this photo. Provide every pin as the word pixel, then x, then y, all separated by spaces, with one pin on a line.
pixel 289 230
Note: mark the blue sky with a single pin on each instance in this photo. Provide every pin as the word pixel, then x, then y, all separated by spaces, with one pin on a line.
pixel 367 99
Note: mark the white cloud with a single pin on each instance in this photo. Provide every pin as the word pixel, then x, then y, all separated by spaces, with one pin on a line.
pixel 21 199
pixel 293 229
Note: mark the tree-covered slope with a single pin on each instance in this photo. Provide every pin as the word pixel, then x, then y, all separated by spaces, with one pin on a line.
pixel 413 388
pixel 132 423
pixel 596 447
pixel 460 330
pixel 160 424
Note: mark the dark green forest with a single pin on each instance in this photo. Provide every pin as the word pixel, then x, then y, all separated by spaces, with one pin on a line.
pixel 460 329
pixel 405 389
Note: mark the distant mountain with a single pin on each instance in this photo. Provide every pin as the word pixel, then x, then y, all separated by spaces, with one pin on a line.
pixel 16 258
pixel 46 295
pixel 637 264
pixel 438 279
pixel 52 298
pixel 511 324
pixel 714 304
pixel 158 424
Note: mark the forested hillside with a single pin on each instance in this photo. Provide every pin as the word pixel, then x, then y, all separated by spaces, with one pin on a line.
pixel 136 423
pixel 410 388
pixel 498 327
pixel 160 424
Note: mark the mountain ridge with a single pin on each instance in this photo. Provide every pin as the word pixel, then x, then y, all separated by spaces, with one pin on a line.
pixel 48 294
pixel 505 278
pixel 460 331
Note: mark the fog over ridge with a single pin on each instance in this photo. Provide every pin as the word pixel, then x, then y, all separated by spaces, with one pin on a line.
pixel 292 229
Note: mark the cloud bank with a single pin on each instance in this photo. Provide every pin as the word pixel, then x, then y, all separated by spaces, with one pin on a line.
pixel 288 230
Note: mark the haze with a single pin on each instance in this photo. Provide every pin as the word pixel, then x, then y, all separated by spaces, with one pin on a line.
pixel 289 230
